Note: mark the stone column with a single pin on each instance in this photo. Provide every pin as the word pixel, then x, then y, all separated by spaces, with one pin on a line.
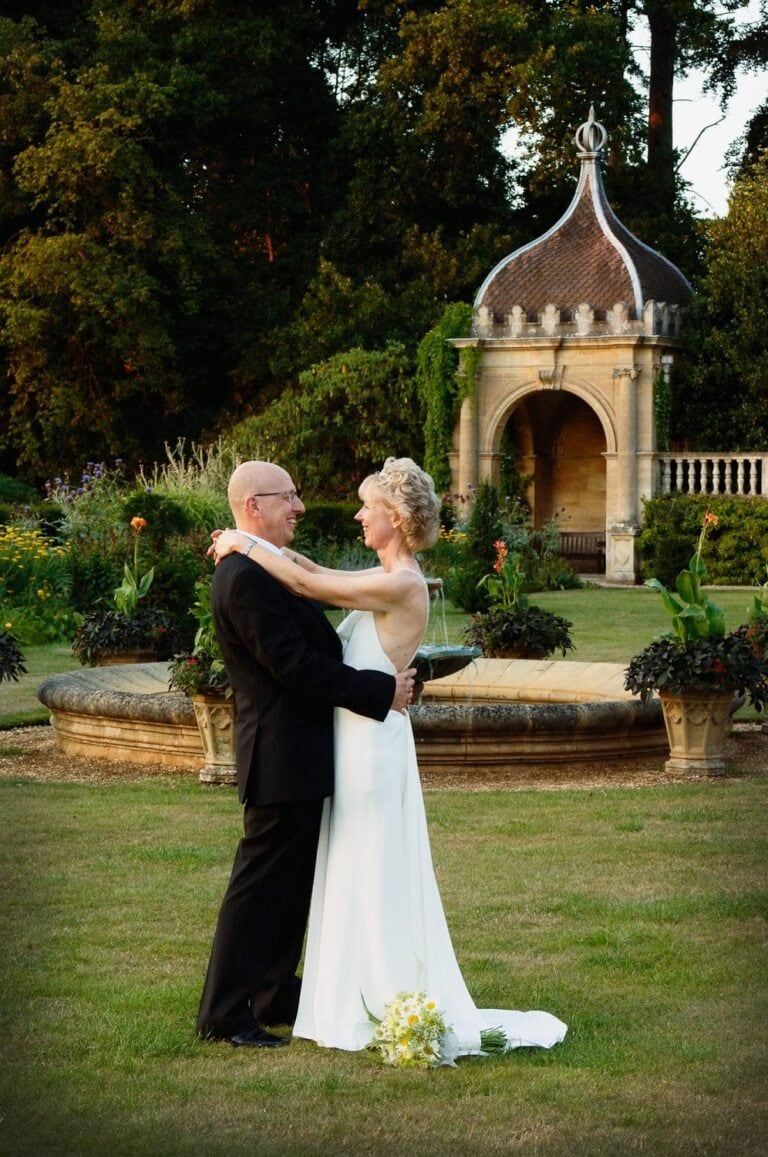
pixel 626 456
pixel 468 466
pixel 621 555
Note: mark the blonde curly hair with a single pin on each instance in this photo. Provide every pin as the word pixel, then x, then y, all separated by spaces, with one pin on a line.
pixel 409 491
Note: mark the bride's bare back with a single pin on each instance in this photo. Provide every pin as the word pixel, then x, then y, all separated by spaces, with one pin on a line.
pixel 401 629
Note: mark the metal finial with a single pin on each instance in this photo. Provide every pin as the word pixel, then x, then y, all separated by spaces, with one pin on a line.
pixel 590 137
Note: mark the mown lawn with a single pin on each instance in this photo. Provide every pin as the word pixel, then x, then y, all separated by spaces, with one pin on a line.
pixel 638 916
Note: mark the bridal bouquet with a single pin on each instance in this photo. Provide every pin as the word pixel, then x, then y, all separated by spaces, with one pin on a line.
pixel 412 1033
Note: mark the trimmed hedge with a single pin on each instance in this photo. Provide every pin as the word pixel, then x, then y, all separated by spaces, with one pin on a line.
pixel 327 521
pixel 736 551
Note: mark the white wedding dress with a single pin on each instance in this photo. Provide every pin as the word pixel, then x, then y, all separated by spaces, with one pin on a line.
pixel 376 924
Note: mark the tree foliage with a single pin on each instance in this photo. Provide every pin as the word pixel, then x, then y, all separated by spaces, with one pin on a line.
pixel 160 212
pixel 199 201
pixel 344 418
pixel 722 397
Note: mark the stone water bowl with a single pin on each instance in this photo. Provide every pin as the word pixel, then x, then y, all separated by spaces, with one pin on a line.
pixel 437 660
pixel 493 713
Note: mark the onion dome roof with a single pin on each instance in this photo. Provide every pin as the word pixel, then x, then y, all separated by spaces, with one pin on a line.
pixel 587 256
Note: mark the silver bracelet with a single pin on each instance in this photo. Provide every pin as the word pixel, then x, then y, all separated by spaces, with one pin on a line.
pixel 248 548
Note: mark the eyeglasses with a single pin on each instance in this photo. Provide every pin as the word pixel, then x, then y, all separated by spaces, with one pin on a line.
pixel 286 495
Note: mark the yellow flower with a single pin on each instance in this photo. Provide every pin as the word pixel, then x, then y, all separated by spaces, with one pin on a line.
pixel 40 593
pixel 8 626
pixel 138 524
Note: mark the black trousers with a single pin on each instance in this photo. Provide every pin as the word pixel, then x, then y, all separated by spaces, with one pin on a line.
pixel 251 974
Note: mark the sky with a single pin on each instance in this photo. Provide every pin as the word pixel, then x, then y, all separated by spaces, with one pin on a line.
pixel 693 110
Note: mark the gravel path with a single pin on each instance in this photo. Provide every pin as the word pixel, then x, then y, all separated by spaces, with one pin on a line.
pixel 31 753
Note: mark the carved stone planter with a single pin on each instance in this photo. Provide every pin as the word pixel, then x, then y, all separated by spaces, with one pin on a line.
pixel 215 715
pixel 697 725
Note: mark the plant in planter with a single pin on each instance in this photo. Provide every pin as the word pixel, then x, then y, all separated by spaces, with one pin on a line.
pixel 201 671
pixel 201 674
pixel 126 632
pixel 11 658
pixel 109 636
pixel 698 668
pixel 512 627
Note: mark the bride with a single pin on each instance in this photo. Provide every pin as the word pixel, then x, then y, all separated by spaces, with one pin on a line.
pixel 376 923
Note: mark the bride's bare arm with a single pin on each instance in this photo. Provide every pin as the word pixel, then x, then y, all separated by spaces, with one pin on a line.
pixel 314 567
pixel 234 541
pixel 371 590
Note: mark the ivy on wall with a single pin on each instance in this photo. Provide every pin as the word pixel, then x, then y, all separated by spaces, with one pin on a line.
pixel 441 388
pixel 662 411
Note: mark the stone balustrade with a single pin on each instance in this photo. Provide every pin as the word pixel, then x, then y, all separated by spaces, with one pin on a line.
pixel 713 473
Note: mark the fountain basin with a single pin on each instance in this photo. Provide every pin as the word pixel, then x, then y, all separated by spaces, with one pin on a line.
pixel 494 713
pixel 502 712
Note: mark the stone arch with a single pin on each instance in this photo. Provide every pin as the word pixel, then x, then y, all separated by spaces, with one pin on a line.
pixel 497 417
pixel 563 444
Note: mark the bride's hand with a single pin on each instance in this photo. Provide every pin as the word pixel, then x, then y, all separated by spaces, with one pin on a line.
pixel 211 551
pixel 225 542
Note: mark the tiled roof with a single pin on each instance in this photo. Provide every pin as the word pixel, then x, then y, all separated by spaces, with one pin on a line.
pixel 588 256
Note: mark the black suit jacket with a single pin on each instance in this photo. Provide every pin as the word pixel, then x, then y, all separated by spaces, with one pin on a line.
pixel 283 659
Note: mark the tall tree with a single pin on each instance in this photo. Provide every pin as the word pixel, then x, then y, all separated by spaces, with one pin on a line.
pixel 683 34
pixel 748 51
pixel 722 396
pixel 165 194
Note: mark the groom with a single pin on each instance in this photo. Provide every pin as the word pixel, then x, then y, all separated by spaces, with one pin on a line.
pixel 284 663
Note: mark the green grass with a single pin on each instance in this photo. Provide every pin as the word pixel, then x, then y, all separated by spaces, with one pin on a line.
pixel 638 916
pixel 611 625
pixel 19 705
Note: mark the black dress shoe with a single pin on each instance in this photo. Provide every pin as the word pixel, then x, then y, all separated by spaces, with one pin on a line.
pixel 258 1038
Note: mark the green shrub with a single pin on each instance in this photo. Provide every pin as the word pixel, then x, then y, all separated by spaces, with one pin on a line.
pixel 737 548
pixel 544 567
pixel 196 478
pixel 177 574
pixel 166 517
pixel 16 493
pixel 95 575
pixel 327 521
pixel 462 586
pixel 491 521
pixel 484 525
pixel 181 502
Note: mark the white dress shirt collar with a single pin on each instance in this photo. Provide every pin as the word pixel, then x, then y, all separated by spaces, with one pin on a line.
pixel 263 542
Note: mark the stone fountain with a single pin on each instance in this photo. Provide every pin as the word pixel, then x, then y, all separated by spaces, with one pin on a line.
pixel 469 713
pixel 492 713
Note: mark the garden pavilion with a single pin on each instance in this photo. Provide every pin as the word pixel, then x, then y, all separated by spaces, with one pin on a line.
pixel 576 333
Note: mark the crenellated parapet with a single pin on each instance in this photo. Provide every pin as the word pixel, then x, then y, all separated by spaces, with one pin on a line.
pixel 658 319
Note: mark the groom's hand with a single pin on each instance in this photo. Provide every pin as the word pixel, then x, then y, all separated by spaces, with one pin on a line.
pixel 403 689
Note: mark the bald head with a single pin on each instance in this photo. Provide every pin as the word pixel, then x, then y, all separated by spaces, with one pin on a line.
pixel 263 501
